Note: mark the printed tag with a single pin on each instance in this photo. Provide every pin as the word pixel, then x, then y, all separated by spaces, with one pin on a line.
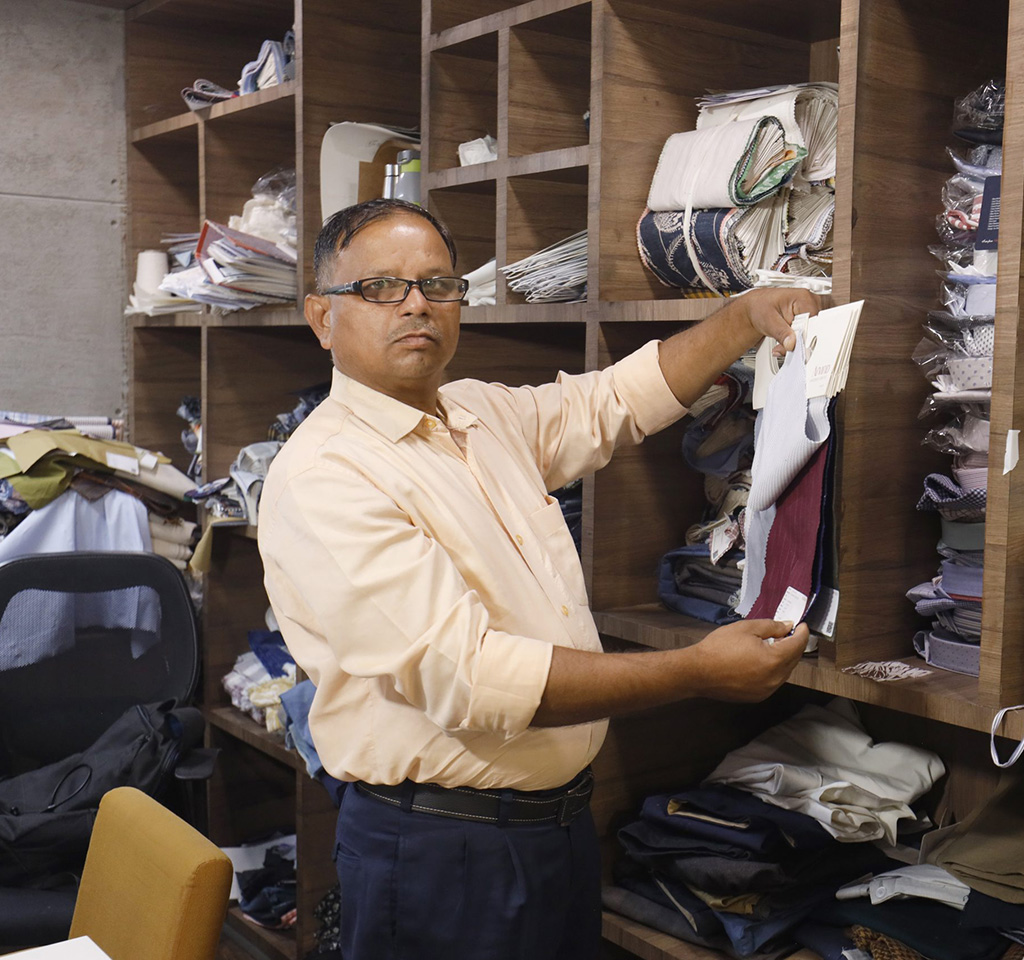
pixel 792 606
pixel 821 618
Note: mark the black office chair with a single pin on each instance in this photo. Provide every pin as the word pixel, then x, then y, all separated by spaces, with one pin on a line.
pixel 84 637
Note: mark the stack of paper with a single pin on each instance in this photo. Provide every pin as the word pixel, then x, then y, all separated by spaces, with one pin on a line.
pixel 236 270
pixel 828 341
pixel 556 273
pixel 204 93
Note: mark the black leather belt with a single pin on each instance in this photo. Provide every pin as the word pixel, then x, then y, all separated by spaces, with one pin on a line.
pixel 561 805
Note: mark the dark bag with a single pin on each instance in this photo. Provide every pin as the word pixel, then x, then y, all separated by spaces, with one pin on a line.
pixel 46 815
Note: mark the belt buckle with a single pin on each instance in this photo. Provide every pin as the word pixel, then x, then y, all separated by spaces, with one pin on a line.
pixel 576 800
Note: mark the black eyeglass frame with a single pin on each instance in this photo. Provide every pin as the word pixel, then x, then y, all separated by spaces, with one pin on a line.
pixel 356 286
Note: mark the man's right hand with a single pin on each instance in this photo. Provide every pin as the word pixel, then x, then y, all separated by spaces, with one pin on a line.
pixel 748 660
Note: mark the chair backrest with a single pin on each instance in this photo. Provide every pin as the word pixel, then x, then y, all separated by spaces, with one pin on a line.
pixel 83 637
pixel 153 887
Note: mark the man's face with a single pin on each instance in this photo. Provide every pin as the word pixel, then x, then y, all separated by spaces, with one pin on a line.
pixel 400 349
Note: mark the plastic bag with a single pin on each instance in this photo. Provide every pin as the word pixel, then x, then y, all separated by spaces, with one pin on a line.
pixel 981 111
pixel 270 214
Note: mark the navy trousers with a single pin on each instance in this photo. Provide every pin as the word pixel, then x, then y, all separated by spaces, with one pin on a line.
pixel 417 886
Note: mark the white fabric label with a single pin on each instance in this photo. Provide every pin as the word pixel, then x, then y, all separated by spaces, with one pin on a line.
pixel 792 606
pixel 1012 454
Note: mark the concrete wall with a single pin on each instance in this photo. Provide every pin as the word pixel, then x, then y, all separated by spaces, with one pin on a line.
pixel 62 208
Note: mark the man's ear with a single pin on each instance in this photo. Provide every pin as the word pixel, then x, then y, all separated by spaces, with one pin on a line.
pixel 317 310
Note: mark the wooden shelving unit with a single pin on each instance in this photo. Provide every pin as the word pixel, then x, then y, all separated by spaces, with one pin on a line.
pixel 581 95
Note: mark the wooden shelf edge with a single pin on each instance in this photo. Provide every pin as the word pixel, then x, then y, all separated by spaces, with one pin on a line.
pixel 942 696
pixel 192 118
pixel 513 17
pixel 140 320
pixel 527 165
pixel 526 313
pixel 244 728
pixel 647 943
pixel 679 310
pixel 277 944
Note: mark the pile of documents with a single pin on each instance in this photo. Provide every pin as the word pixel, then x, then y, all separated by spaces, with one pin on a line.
pixel 556 273
pixel 747 198
pixel 236 271
pixel 148 296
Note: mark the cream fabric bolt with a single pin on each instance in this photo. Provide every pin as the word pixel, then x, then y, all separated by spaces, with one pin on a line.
pixel 822 763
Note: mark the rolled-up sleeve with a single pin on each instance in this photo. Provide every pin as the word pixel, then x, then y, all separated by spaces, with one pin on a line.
pixel 575 424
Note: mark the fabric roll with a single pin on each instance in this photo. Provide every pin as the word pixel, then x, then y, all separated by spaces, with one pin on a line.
pixel 172 530
pixel 172 551
pixel 662 244
pixel 726 165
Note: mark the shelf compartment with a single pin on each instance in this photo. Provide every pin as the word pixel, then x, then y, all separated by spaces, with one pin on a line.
pixel 445 14
pixel 242 727
pixel 541 209
pixel 469 211
pixel 166 367
pixel 163 190
pixel 645 499
pixel 550 54
pixel 526 313
pixel 242 364
pixel 463 84
pixel 658 58
pixel 240 146
pixel 517 354
pixel 168 46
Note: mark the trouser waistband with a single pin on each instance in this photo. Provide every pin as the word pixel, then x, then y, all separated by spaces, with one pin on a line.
pixel 561 805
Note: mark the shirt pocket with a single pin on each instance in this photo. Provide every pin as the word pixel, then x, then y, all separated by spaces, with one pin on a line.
pixel 559 548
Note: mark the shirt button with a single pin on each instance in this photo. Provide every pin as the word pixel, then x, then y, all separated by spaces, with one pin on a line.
pixel 519 540
pixel 431 423
pixel 565 610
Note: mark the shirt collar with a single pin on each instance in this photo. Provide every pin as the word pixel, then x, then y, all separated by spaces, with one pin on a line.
pixel 388 416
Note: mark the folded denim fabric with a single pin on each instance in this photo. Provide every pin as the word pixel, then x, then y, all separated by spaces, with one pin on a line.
pixel 923 925
pixel 720 812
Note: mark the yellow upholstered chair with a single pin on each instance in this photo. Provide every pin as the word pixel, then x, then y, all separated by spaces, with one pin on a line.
pixel 153 887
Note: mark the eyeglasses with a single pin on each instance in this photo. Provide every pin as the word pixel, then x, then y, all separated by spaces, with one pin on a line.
pixel 395 289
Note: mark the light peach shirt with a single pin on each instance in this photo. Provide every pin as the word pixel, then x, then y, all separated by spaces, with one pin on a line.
pixel 421 574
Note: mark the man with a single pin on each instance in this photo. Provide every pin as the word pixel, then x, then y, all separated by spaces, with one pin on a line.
pixel 425 580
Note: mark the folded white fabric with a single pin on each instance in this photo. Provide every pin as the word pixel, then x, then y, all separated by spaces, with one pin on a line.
pixel 822 763
pixel 174 531
pixel 915 880
pixel 727 165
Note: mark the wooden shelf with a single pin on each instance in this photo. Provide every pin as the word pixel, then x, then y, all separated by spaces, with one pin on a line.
pixel 649 944
pixel 244 728
pixel 523 13
pixel 943 696
pixel 276 944
pixel 188 121
pixel 526 313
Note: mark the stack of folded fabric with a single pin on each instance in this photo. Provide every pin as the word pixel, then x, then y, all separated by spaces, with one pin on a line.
pixel 746 199
pixel 956 355
pixel 744 861
pixel 702 579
